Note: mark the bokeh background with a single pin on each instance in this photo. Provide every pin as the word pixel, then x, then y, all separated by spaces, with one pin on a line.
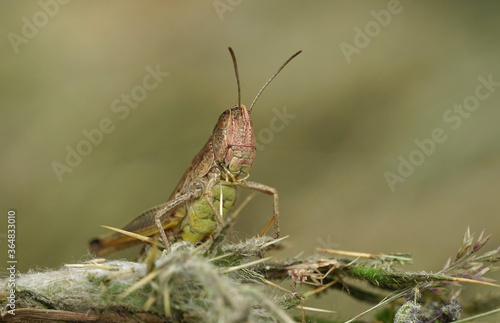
pixel 355 115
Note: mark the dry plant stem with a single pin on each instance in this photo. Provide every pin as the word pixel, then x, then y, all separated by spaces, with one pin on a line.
pixel 478 316
pixel 31 314
pixel 189 284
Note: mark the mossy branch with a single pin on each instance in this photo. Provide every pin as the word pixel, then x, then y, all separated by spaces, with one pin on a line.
pixel 230 282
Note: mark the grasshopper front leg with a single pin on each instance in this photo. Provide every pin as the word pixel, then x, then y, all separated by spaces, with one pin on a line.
pixel 195 192
pixel 214 177
pixel 270 191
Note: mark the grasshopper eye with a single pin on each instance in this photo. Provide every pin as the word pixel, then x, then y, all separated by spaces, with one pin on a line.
pixel 224 120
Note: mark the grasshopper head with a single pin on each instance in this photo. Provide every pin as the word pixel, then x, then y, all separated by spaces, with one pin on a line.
pixel 234 142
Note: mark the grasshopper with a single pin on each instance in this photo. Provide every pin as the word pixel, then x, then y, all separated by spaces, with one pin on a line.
pixel 207 190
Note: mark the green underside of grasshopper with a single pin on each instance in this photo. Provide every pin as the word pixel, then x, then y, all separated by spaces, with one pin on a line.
pixel 200 219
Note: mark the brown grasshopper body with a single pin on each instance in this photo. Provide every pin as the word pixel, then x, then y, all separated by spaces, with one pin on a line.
pixel 207 189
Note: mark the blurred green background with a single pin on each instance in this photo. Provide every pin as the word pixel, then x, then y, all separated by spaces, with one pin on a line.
pixel 64 65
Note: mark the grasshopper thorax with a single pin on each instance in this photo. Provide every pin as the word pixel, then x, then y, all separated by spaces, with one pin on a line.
pixel 233 143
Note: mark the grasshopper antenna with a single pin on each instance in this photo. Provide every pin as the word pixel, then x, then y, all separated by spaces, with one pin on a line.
pixel 237 75
pixel 272 77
